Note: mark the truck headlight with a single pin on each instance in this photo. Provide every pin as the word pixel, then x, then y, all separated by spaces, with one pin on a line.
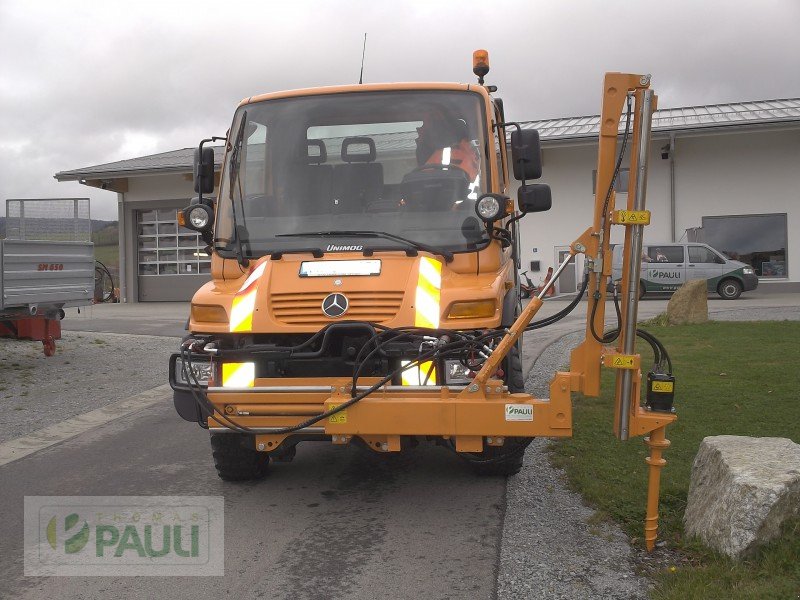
pixel 198 217
pixel 456 373
pixel 748 271
pixel 491 207
pixel 200 368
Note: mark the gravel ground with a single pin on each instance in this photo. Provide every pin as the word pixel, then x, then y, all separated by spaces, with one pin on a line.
pixel 89 370
pixel 551 545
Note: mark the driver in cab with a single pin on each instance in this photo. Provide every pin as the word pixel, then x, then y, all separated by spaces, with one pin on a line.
pixel 444 142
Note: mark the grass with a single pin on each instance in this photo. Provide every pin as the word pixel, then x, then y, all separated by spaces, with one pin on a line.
pixel 106 248
pixel 107 236
pixel 738 378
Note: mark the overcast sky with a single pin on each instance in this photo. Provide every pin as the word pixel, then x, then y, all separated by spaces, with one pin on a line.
pixel 84 82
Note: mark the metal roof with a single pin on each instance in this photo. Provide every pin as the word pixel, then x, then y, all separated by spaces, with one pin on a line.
pixel 174 161
pixel 688 118
pixel 709 116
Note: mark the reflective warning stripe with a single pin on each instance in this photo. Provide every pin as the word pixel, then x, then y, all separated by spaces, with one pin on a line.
pixel 238 375
pixel 417 374
pixel 244 302
pixel 428 295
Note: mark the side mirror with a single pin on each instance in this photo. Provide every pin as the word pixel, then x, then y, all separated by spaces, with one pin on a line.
pixel 526 154
pixel 204 170
pixel 534 197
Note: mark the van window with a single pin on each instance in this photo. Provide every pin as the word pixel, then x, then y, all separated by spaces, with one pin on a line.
pixel 666 254
pixel 700 254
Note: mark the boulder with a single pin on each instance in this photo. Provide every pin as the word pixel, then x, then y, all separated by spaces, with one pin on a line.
pixel 689 304
pixel 742 491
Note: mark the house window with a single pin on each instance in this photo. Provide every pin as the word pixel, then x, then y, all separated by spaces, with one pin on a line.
pixel 758 240
pixel 620 183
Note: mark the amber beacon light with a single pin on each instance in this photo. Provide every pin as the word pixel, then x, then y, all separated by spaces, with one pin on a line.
pixel 480 64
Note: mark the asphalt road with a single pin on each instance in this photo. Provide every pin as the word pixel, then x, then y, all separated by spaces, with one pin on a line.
pixel 335 523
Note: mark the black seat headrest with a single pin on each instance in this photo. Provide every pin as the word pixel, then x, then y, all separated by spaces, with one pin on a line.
pixel 321 154
pixel 351 155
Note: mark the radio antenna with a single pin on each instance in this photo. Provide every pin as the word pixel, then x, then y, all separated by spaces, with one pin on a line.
pixel 363 52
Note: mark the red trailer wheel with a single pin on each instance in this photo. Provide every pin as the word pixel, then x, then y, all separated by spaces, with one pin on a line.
pixel 49 346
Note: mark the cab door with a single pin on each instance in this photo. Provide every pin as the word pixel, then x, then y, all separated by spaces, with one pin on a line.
pixel 666 268
pixel 704 263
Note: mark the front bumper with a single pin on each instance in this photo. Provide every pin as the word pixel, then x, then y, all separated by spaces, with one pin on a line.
pixel 469 416
pixel 749 282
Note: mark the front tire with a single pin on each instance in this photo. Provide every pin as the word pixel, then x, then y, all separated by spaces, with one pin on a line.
pixel 729 289
pixel 235 458
pixel 507 459
pixel 514 378
pixel 501 461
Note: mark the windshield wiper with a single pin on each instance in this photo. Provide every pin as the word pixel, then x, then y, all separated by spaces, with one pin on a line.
pixel 238 230
pixel 448 256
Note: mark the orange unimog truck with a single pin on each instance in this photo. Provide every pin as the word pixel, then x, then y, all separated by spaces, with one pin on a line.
pixel 365 281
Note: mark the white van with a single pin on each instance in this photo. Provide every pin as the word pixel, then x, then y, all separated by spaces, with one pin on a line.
pixel 665 267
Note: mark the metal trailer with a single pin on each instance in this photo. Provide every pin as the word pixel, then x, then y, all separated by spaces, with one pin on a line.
pixel 40 278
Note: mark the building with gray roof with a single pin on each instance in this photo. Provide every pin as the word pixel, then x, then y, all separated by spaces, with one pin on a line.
pixel 724 173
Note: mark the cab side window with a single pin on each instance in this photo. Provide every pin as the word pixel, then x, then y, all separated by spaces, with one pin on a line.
pixel 666 254
pixel 699 254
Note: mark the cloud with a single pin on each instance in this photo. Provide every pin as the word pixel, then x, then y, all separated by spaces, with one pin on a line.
pixel 93 82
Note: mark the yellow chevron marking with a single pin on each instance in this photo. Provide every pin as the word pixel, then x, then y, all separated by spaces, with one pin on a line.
pixel 428 294
pixel 238 375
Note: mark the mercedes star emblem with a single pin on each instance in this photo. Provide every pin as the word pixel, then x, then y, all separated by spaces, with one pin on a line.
pixel 335 305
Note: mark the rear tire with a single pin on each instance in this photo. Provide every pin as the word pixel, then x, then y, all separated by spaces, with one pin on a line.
pixel 235 459
pixel 729 289
pixel 514 448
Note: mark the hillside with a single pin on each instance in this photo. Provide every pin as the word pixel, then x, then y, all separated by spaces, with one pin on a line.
pixel 98 225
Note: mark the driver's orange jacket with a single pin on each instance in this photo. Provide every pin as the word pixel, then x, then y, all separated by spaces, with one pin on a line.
pixel 461 155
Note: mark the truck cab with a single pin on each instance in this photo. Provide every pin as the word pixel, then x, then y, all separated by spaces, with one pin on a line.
pixel 345 215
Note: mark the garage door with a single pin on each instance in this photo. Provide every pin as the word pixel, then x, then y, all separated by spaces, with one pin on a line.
pixel 172 263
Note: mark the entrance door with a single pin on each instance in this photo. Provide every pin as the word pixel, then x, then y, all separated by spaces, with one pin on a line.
pixel 567 282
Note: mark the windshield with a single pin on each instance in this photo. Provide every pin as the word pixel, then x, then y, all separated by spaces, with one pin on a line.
pixel 410 164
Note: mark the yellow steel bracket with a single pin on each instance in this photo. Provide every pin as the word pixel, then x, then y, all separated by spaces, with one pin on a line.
pixel 642 421
pixel 591 355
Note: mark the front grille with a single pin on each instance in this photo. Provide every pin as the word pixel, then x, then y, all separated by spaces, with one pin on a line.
pixel 306 308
